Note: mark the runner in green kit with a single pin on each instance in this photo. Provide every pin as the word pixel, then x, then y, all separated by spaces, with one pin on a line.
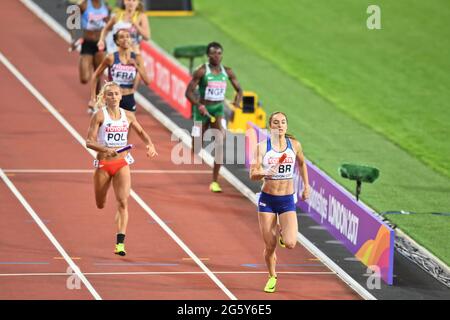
pixel 211 79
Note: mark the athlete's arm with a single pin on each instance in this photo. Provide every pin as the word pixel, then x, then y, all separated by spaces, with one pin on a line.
pixel 91 140
pixel 109 59
pixel 139 64
pixel 83 5
pixel 151 151
pixel 236 86
pixel 190 90
pixel 302 168
pixel 143 27
pixel 256 170
pixel 107 28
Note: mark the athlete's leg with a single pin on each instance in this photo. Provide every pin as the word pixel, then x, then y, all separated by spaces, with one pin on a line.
pixel 121 185
pixel 289 228
pixel 102 181
pixel 267 227
pixel 86 66
pixel 219 143
pixel 98 58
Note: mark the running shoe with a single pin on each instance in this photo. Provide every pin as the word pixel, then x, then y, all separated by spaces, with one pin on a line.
pixel 281 242
pixel 270 285
pixel 120 249
pixel 215 187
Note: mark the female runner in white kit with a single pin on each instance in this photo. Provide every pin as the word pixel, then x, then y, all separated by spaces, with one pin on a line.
pixel 108 131
pixel 277 198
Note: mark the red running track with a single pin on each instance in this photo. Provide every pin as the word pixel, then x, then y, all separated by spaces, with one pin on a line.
pixel 220 229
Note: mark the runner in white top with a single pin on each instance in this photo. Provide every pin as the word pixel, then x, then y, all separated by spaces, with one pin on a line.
pixel 274 162
pixel 107 132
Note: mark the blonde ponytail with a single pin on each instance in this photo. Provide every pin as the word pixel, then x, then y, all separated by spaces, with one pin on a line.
pixel 100 100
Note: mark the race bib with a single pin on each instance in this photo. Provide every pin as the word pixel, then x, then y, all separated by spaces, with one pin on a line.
pixel 129 159
pixel 95 21
pixel 116 136
pixel 215 91
pixel 123 74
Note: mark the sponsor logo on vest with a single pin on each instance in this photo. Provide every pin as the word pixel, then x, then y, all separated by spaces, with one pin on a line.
pixel 116 129
pixel 274 160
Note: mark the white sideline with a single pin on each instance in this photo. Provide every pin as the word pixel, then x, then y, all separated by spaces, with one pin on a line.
pixel 231 178
pixel 135 196
pixel 65 171
pixel 49 235
pixel 157 273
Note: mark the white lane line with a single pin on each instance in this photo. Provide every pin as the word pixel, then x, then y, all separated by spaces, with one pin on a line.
pixel 160 273
pixel 135 196
pixel 49 235
pixel 45 171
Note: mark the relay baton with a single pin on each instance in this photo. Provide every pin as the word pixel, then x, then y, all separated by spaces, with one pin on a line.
pixel 283 156
pixel 128 147
pixel 280 160
pixel 211 118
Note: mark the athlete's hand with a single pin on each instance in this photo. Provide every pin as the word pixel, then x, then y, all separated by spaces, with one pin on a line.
pixel 111 153
pixel 305 194
pixel 202 110
pixel 73 45
pixel 91 105
pixel 132 62
pixel 101 45
pixel 151 151
pixel 273 170
pixel 135 25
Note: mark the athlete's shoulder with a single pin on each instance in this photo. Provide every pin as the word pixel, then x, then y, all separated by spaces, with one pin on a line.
pixel 98 115
pixel 110 58
pixel 262 146
pixel 82 4
pixel 200 71
pixel 230 72
pixel 130 115
pixel 296 145
pixel 227 69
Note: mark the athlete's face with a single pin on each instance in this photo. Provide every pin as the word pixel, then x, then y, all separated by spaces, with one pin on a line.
pixel 112 96
pixel 131 5
pixel 278 125
pixel 215 56
pixel 123 39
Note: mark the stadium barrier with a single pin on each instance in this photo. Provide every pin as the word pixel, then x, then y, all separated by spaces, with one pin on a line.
pixel 349 221
pixel 169 79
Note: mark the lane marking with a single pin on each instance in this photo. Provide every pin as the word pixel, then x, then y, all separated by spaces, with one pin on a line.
pixel 22 262
pixel 281 265
pixel 132 264
pixel 133 194
pixel 91 171
pixel 47 232
pixel 61 258
pixel 164 273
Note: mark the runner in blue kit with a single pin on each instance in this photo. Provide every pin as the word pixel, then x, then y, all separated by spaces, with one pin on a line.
pixel 124 66
pixel 94 16
pixel 274 162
